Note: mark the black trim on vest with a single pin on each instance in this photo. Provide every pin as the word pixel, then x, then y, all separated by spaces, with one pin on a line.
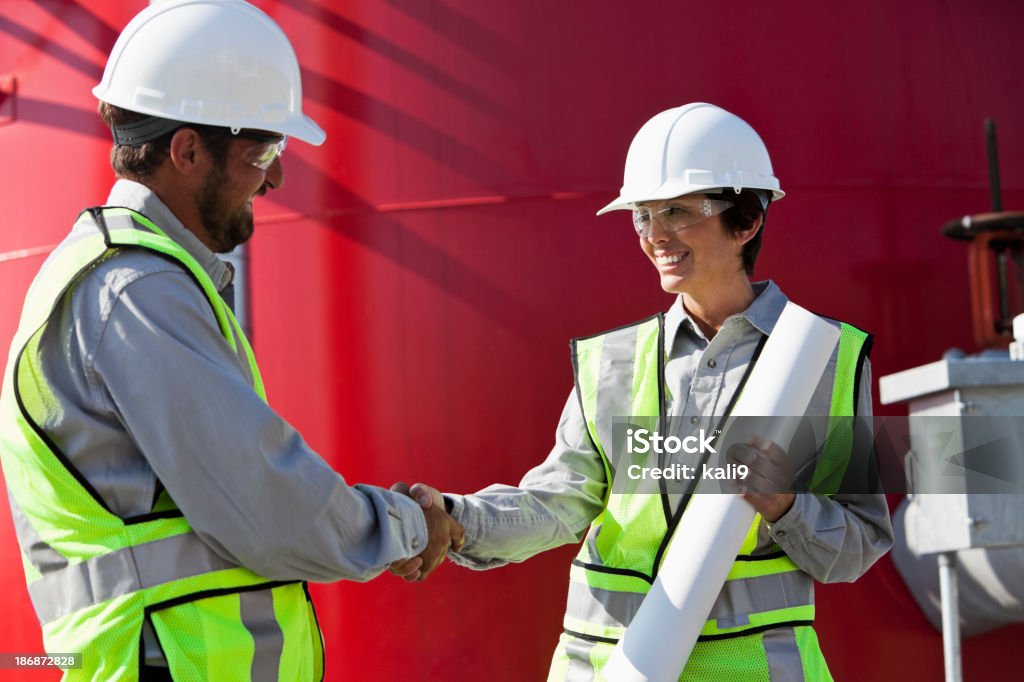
pixel 94 210
pixel 157 489
pixel 597 568
pixel 703 638
pixel 316 619
pixel 43 436
pixel 219 592
pixel 666 505
pixel 152 516
pixel 761 557
pixel 754 631
pixel 678 515
pixel 576 377
pixel 101 222
pixel 148 611
pixel 590 638
pixel 865 351
pixel 142 651
pixel 38 429
pixel 142 646
pixel 579 399
pixel 617 329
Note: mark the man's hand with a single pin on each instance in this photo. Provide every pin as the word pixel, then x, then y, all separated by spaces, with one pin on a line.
pixel 769 482
pixel 442 532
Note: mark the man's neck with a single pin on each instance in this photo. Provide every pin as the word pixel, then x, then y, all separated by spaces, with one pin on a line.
pixel 181 201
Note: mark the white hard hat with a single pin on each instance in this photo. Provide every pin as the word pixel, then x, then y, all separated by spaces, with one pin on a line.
pixel 694 148
pixel 213 62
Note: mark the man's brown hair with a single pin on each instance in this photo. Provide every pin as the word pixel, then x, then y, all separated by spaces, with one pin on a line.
pixel 140 162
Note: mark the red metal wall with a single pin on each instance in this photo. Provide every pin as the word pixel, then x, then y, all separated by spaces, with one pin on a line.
pixel 417 279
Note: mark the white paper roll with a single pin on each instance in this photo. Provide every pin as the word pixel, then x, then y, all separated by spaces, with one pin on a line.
pixel 658 641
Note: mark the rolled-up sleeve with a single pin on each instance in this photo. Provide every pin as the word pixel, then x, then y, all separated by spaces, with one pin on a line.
pixel 243 477
pixel 553 505
pixel 837 538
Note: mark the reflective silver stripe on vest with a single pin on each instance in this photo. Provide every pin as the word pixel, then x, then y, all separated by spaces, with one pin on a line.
pixel 40 554
pixel 123 222
pixel 740 598
pixel 602 607
pixel 257 613
pixel 783 654
pixel 66 590
pixel 615 384
pixel 579 668
pixel 736 602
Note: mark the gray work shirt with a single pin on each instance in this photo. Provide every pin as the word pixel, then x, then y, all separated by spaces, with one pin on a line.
pixel 151 392
pixel 832 538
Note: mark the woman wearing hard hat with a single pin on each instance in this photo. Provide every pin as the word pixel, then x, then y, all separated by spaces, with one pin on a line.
pixel 698 181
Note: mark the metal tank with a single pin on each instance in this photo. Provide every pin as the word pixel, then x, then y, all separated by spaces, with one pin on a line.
pixel 415 282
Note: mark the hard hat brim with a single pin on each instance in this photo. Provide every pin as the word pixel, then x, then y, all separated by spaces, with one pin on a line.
pixel 307 130
pixel 671 191
pixel 300 127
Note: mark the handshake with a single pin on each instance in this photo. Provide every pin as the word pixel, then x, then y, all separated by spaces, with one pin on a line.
pixel 443 532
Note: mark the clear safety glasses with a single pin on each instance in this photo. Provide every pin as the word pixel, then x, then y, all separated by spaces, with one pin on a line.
pixel 678 215
pixel 268 150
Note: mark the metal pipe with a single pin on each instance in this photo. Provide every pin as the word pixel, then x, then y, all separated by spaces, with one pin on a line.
pixel 1002 256
pixel 950 616
pixel 993 166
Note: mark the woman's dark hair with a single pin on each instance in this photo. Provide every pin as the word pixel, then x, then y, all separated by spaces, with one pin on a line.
pixel 744 213
pixel 138 163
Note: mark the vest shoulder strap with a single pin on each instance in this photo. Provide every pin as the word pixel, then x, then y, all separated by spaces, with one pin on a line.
pixel 125 228
pixel 854 347
pixel 619 372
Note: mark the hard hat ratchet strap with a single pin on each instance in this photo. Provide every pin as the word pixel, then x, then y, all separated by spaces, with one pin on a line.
pixel 144 130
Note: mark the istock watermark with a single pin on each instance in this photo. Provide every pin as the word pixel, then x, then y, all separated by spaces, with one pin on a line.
pixel 825 454
pixel 685 472
pixel 644 441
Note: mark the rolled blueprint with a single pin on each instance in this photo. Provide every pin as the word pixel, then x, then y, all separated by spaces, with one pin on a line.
pixel 658 641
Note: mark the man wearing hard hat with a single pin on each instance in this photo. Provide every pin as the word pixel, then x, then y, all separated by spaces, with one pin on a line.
pixel 163 509
pixel 698 182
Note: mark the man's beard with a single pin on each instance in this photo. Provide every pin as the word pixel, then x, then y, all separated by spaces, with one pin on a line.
pixel 225 227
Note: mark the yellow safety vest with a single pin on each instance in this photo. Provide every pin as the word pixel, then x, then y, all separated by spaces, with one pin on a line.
pixel 95 577
pixel 763 616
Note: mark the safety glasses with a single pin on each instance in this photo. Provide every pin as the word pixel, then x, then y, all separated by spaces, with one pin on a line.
pixel 268 149
pixel 678 215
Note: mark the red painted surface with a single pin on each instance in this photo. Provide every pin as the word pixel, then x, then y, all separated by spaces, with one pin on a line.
pixel 417 279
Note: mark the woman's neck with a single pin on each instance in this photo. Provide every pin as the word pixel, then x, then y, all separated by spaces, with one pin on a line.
pixel 711 310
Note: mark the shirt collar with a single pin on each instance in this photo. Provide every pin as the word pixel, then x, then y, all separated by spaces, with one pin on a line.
pixel 138 197
pixel 763 313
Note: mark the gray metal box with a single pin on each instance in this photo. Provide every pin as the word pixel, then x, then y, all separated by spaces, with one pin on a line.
pixel 967 439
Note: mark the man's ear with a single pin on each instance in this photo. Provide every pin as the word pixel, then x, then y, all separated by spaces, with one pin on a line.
pixel 186 152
